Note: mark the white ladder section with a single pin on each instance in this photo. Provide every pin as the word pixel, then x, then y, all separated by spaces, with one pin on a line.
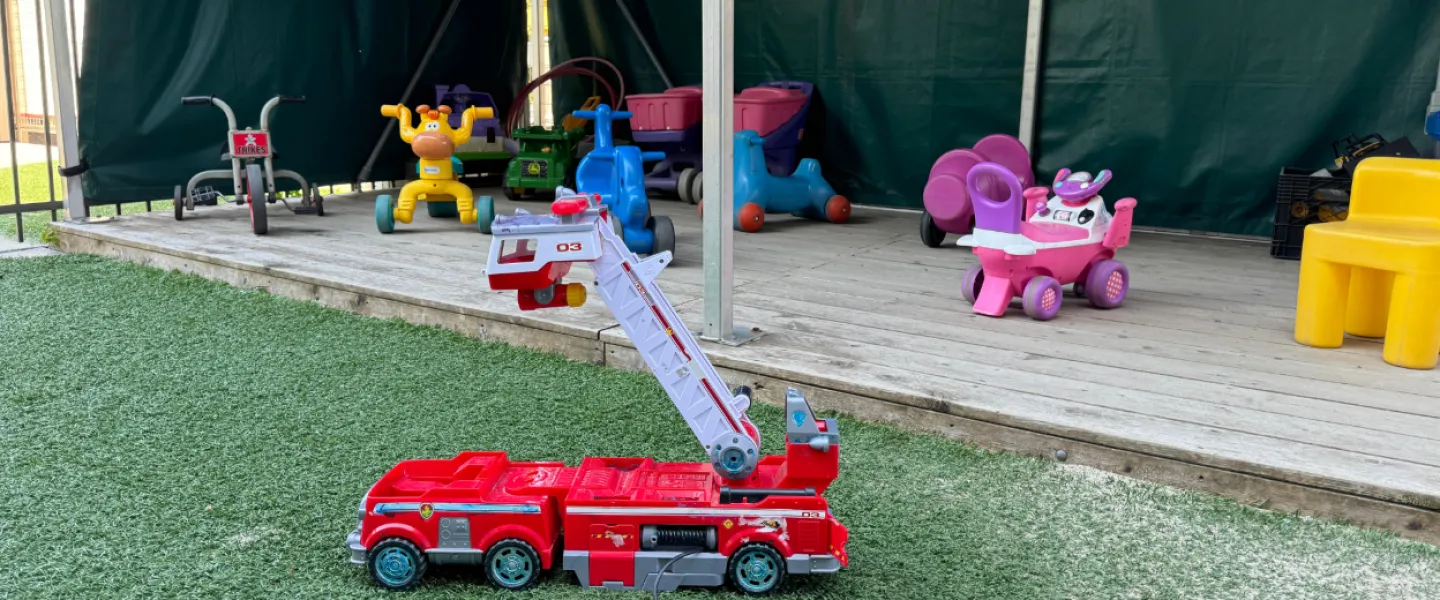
pixel 714 414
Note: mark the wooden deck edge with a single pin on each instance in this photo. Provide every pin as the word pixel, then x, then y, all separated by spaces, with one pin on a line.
pixel 576 344
pixel 1251 490
pixel 87 241
pixel 915 414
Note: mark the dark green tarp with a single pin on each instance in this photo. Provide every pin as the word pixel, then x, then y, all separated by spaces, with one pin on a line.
pixel 347 56
pixel 1195 105
pixel 897 81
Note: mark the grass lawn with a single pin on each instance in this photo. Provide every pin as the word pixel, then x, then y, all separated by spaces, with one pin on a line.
pixel 165 436
pixel 34 188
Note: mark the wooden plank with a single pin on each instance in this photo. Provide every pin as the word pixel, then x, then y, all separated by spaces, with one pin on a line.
pixel 1004 368
pixel 1283 370
pixel 1336 470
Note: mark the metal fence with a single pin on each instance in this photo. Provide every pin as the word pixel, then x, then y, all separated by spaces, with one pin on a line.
pixel 22 126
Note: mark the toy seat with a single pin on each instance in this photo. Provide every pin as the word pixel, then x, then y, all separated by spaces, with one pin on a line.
pixel 675 109
pixel 765 109
pixel 1377 274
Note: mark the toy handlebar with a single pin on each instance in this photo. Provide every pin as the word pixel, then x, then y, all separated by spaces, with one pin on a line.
pixel 291 99
pixel 389 110
pixel 592 115
pixel 196 100
pixel 652 156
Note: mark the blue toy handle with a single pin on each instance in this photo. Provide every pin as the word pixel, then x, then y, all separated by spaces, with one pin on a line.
pixel 652 156
pixel 590 114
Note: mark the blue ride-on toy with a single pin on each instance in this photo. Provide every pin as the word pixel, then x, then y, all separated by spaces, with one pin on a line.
pixel 805 193
pixel 617 175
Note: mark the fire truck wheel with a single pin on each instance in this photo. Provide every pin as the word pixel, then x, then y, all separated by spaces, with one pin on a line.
pixel 512 565
pixel 396 564
pixel 757 569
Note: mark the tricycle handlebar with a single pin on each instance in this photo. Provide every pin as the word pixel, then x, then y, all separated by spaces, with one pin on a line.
pixel 194 100
pixel 291 99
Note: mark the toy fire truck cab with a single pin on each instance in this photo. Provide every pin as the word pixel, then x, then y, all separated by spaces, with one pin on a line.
pixel 475 509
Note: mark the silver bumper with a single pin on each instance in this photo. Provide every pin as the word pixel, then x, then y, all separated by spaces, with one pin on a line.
pixel 357 552
pixel 813 564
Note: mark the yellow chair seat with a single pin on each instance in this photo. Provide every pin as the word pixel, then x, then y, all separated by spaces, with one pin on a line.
pixel 1377 274
pixel 1386 246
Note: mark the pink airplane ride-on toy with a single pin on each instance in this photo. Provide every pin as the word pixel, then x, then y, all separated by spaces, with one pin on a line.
pixel 1029 245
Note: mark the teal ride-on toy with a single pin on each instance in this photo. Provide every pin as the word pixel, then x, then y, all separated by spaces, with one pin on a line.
pixel 617 175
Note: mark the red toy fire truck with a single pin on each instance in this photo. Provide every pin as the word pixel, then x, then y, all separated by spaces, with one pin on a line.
pixel 626 523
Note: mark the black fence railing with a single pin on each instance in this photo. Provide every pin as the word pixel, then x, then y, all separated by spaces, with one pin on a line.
pixel 31 192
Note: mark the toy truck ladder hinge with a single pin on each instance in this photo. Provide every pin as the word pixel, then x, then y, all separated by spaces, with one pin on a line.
pixel 715 415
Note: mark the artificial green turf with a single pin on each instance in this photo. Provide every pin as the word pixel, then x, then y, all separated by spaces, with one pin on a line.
pixel 164 436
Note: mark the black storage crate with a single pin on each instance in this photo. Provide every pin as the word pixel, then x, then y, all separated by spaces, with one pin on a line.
pixel 1302 199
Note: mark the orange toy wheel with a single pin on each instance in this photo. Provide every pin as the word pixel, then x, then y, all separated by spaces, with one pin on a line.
pixel 837 209
pixel 751 217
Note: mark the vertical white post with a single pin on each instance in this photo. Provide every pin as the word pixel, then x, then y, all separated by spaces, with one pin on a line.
pixel 63 67
pixel 537 66
pixel 1030 85
pixel 718 40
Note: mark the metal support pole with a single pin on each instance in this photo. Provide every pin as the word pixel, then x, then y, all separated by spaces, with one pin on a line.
pixel 1030 86
pixel 537 60
pixel 409 88
pixel 718 40
pixel 644 43
pixel 64 85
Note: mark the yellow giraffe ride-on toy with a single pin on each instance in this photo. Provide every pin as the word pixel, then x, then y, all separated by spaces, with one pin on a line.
pixel 434 143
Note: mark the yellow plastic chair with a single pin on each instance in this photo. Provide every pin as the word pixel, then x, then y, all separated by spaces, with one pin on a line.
pixel 1379 270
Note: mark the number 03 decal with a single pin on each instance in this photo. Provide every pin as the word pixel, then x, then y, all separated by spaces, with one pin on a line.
pixel 568 247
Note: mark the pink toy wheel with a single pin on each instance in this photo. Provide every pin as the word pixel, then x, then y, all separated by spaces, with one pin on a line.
pixel 1042 298
pixel 1107 284
pixel 970 286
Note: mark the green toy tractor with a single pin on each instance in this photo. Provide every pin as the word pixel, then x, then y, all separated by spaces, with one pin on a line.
pixel 546 160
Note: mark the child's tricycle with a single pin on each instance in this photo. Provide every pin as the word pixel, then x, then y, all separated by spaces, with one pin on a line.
pixel 434 142
pixel 245 147
pixel 1030 245
pixel 616 174
pixel 947 201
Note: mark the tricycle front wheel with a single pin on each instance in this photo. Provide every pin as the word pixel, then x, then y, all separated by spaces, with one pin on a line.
pixel 385 213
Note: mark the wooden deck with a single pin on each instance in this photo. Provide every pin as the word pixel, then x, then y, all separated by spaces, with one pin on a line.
pixel 1195 382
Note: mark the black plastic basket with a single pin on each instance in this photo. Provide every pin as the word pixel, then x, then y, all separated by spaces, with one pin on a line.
pixel 1302 199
